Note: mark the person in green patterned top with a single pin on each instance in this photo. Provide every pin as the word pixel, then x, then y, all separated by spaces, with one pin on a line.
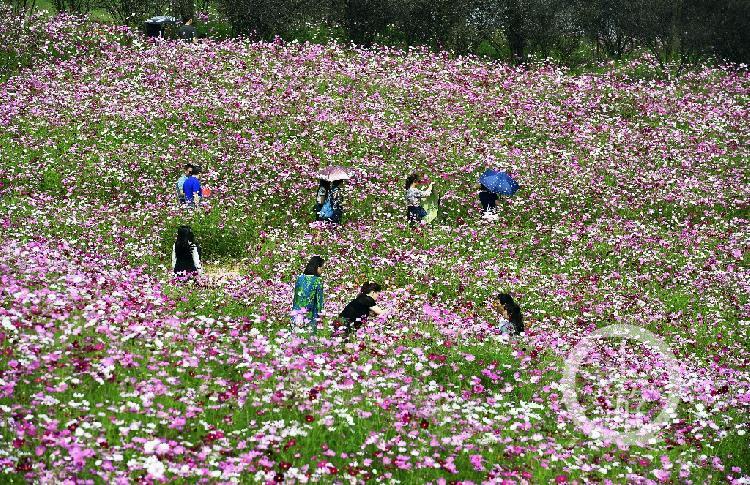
pixel 308 295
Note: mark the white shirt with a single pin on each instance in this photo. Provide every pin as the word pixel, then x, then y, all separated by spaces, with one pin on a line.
pixel 414 196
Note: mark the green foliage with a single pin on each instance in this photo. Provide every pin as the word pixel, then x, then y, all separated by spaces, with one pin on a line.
pixel 52 182
pixel 220 238
pixel 572 33
pixel 318 33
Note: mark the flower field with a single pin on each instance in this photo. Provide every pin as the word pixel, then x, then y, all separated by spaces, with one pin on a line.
pixel 633 209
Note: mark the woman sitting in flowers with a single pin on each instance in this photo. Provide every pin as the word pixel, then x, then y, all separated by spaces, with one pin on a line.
pixel 512 320
pixel 356 312
pixel 308 295
pixel 186 259
pixel 414 196
pixel 328 202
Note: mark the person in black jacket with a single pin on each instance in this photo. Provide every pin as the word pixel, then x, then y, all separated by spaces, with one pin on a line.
pixel 187 32
pixel 488 200
pixel 356 311
pixel 186 258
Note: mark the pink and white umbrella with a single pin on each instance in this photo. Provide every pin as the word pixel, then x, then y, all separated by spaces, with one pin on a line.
pixel 334 173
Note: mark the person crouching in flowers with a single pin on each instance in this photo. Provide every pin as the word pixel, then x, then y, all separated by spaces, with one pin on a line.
pixel 355 313
pixel 308 295
pixel 414 196
pixel 511 322
pixel 186 259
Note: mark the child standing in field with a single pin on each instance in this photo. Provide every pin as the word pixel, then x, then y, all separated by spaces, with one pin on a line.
pixel 186 259
pixel 355 313
pixel 415 212
pixel 308 295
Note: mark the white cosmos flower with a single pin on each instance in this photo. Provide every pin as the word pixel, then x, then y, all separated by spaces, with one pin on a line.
pixel 154 467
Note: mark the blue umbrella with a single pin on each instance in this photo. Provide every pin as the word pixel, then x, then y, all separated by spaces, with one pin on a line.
pixel 498 182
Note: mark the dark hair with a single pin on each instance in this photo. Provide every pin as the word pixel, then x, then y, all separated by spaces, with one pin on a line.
pixel 370 287
pixel 337 183
pixel 483 188
pixel 189 167
pixel 313 265
pixel 183 246
pixel 412 178
pixel 186 19
pixel 514 311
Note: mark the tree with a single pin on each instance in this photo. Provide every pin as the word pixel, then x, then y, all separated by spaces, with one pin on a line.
pixel 20 8
pixel 608 24
pixel 267 18
pixel 128 11
pixel 722 26
pixel 183 9
pixel 440 23
pixel 525 24
pixel 363 20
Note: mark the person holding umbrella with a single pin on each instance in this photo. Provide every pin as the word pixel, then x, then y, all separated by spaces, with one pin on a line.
pixel 487 199
pixel 328 206
pixel 492 184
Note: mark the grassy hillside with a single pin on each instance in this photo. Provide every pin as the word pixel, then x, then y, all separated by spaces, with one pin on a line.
pixel 633 210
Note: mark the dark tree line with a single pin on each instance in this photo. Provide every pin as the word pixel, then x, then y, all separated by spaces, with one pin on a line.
pixel 673 30
pixel 681 31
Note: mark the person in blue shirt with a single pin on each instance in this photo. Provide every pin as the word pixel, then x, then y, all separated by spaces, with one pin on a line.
pixel 188 169
pixel 191 187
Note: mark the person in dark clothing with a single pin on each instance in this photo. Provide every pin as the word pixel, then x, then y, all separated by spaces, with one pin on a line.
pixel 487 199
pixel 357 310
pixel 186 258
pixel 187 32
pixel 510 311
pixel 328 205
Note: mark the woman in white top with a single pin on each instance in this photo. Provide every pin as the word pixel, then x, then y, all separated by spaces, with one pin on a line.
pixel 186 257
pixel 414 210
